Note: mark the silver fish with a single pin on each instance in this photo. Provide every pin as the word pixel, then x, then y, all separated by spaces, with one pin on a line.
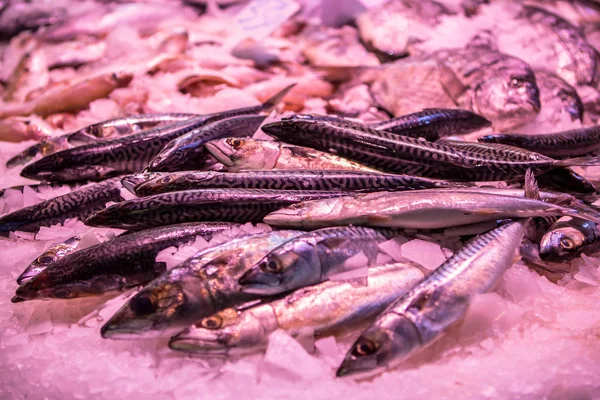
pixel 116 264
pixel 48 257
pixel 199 287
pixel 234 205
pixel 244 154
pixel 327 308
pixel 434 123
pixel 355 181
pixel 573 143
pixel 568 237
pixel 417 209
pixel 91 133
pixel 435 304
pixel 128 154
pixel 311 258
pixel 187 152
pixel 79 203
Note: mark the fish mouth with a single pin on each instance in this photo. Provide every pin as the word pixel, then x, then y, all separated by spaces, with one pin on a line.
pixel 189 345
pixel 535 103
pixel 271 129
pixel 219 154
pixel 282 217
pixel 27 275
pixel 17 299
pixel 255 281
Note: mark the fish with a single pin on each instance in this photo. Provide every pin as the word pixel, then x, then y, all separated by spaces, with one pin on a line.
pixel 233 333
pixel 130 182
pixel 434 123
pixel 69 97
pixel 572 57
pixel 568 237
pixel 552 87
pixel 117 264
pixel 312 258
pixel 202 285
pixel 234 205
pixel 567 144
pixel 499 87
pixel 79 203
pixel 417 209
pixel 187 152
pixel 19 16
pixel 566 180
pixel 89 134
pixel 436 303
pixel 18 129
pixel 239 154
pixel 401 154
pixel 129 154
pixel 48 257
pixel 392 27
pixel 354 181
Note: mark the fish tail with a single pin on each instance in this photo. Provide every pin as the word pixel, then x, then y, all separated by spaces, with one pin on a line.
pixel 579 162
pixel 276 99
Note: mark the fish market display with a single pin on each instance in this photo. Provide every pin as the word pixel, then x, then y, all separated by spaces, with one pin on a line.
pixel 299 199
pixel 233 333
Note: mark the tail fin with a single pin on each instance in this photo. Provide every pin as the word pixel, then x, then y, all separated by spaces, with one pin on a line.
pixel 271 103
pixel 579 162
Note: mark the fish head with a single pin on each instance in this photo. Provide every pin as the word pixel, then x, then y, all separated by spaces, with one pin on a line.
pixel 173 156
pixel 156 310
pixel 383 345
pixel 50 285
pixel 290 266
pixel 228 332
pixel 562 243
pixel 56 167
pixel 124 214
pixel 234 151
pixel 47 258
pixel 509 98
pixel 131 181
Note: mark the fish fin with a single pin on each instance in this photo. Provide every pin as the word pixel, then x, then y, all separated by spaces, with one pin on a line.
pixel 276 99
pixel 532 191
pixel 579 161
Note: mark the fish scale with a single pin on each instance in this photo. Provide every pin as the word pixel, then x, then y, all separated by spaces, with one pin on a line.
pixel 286 180
pixel 247 205
pixel 79 203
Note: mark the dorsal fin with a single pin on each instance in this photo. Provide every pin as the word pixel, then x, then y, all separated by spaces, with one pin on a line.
pixel 532 191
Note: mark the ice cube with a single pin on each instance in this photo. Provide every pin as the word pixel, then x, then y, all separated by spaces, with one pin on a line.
pixel 30 197
pixel 424 253
pixel 286 353
pixel 393 247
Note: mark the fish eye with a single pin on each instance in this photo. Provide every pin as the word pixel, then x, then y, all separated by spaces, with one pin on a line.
pixel 516 82
pixel 45 259
pixel 364 347
pixel 213 322
pixel 167 179
pixel 567 243
pixel 143 305
pixel 235 142
pixel 272 267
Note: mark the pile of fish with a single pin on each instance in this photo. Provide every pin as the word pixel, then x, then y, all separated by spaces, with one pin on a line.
pixel 334 188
